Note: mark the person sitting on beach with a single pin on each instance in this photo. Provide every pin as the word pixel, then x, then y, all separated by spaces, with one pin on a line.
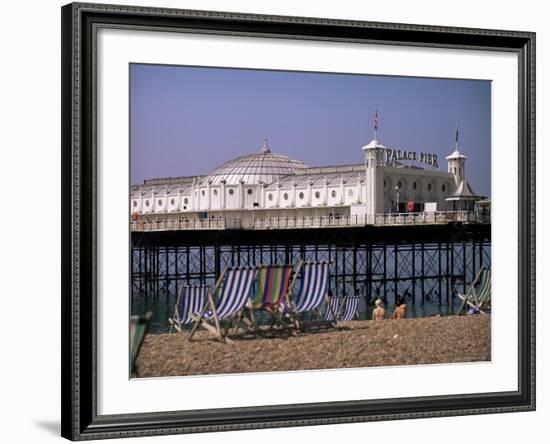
pixel 379 313
pixel 400 311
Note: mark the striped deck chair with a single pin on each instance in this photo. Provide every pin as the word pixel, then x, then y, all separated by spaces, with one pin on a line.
pixel 313 291
pixel 478 297
pixel 350 308
pixel 191 300
pixel 271 288
pixel 138 330
pixel 233 290
pixel 332 308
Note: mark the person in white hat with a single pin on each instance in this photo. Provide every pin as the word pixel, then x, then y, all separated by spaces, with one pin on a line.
pixel 379 313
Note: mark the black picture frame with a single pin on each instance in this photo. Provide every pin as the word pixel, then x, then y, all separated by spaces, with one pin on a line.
pixel 79 209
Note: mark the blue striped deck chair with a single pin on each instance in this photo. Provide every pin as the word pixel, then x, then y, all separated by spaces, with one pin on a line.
pixel 314 285
pixel 231 294
pixel 478 297
pixel 350 308
pixel 332 308
pixel 191 300
pixel 312 293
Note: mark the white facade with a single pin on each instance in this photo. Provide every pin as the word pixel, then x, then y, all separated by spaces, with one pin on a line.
pixel 271 185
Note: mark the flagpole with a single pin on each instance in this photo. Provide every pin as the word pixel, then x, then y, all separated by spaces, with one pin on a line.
pixel 456 136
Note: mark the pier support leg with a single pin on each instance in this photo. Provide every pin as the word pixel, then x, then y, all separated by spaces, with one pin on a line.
pixel 422 272
pixel 395 273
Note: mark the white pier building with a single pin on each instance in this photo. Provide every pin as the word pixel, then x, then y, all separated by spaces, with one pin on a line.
pixel 269 190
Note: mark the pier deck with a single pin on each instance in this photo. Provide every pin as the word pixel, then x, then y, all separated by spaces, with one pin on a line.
pixel 172 222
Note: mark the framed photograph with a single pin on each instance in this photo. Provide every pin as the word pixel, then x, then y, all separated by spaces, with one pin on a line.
pixel 278 221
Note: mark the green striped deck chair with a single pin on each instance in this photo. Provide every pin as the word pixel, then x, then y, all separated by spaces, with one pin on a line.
pixel 270 289
pixel 138 330
pixel 478 297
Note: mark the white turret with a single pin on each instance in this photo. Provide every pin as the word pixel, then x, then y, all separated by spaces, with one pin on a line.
pixel 456 163
pixel 374 158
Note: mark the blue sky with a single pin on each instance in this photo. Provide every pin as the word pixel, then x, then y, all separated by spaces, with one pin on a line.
pixel 188 120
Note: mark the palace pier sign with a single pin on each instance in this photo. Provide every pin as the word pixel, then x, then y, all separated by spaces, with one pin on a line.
pixel 393 155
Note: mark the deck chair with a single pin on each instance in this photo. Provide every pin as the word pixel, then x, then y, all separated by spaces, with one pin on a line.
pixel 332 308
pixel 270 290
pixel 350 308
pixel 138 330
pixel 233 290
pixel 478 296
pixel 191 300
pixel 313 291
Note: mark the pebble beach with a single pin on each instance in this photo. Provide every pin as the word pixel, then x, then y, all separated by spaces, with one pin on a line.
pixel 431 340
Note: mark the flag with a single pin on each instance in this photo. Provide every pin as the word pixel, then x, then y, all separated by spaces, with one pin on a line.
pixel 456 134
pixel 376 120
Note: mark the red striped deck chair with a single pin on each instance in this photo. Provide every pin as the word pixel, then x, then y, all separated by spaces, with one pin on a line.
pixel 271 288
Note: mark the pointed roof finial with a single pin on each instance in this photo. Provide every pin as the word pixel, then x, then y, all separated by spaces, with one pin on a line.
pixel 265 147
pixel 375 123
pixel 456 154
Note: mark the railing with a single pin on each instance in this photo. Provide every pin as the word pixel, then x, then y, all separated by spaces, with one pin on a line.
pixel 304 222
pixel 438 217
pixel 179 224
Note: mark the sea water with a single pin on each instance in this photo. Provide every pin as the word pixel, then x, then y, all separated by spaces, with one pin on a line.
pixel 162 306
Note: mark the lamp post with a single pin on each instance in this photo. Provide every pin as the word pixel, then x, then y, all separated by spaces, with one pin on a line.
pixel 397 199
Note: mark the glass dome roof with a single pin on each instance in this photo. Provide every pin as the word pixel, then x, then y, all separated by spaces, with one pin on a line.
pixel 252 169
